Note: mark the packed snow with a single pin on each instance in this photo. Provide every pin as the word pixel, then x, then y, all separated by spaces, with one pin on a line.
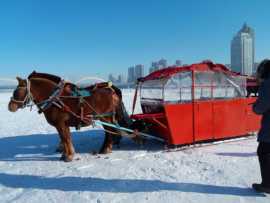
pixel 30 170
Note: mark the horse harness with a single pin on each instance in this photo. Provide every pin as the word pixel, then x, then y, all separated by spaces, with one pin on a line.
pixel 56 99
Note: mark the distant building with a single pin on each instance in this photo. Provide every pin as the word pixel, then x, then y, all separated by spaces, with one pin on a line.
pixel 243 51
pixel 112 78
pixel 131 75
pixel 178 63
pixel 162 63
pixel 151 70
pixel 154 67
pixel 256 64
pixel 155 64
pixel 139 71
pixel 121 79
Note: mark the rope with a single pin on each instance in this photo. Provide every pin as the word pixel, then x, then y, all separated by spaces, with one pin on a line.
pixel 122 133
pixel 129 130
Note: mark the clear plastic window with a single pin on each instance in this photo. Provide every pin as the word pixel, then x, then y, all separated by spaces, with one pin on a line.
pixel 178 88
pixel 203 81
pixel 208 85
pixel 152 90
pixel 227 86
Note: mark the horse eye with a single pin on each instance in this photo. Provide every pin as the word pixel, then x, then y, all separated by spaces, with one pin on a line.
pixel 15 93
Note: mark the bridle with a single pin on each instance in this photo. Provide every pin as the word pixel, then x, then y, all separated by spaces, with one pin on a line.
pixel 28 96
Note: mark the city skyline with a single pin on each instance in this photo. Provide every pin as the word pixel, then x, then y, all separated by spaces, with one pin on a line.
pixel 242 57
pixel 74 39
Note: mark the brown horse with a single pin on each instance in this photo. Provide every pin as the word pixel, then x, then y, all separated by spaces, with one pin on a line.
pixel 65 105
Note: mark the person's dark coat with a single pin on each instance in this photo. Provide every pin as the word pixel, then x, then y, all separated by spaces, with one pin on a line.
pixel 262 107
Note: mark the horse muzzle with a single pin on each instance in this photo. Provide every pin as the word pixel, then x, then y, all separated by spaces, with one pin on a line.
pixel 12 107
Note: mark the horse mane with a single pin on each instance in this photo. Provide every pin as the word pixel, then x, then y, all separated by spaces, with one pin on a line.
pixel 44 80
pixel 47 76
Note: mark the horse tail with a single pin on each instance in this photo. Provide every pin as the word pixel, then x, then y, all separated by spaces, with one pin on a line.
pixel 121 112
pixel 121 115
pixel 117 91
pixel 124 120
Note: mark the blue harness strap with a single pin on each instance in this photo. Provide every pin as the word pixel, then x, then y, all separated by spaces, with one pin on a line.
pixel 80 93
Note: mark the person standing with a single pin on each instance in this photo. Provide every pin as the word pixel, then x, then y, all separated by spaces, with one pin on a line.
pixel 262 107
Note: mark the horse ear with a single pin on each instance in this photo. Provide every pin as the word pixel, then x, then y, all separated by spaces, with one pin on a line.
pixel 19 79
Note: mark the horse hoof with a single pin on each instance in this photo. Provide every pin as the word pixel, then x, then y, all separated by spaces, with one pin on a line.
pixel 63 157
pixel 68 159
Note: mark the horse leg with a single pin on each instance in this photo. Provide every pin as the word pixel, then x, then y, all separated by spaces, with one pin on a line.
pixel 68 149
pixel 117 140
pixel 60 147
pixel 108 141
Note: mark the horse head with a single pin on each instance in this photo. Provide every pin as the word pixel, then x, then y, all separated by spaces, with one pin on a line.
pixel 21 95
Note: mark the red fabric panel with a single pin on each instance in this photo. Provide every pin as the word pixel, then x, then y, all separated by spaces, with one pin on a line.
pixel 205 66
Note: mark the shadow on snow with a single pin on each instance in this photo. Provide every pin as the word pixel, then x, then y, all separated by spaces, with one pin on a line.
pixel 41 147
pixel 238 154
pixel 93 184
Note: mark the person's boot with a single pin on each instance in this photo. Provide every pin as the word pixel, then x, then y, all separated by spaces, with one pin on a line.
pixel 261 188
pixel 264 161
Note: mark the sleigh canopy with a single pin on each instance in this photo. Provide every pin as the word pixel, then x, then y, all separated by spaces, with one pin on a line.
pixel 193 103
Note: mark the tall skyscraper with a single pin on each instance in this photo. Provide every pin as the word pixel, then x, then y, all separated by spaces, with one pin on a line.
pixel 228 66
pixel 131 75
pixel 139 71
pixel 243 50
pixel 256 64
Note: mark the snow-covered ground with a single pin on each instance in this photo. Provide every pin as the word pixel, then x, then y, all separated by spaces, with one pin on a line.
pixel 30 170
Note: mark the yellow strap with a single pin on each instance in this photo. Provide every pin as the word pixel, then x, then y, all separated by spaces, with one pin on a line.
pixel 110 84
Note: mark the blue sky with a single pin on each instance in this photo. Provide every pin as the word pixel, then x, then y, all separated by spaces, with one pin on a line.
pixel 75 38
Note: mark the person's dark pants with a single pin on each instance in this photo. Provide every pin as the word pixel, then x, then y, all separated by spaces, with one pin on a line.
pixel 263 153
